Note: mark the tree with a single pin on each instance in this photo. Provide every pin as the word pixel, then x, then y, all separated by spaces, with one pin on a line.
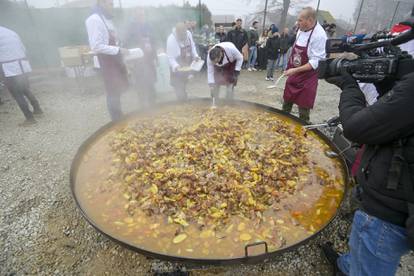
pixel 205 15
pixel 283 6
pixel 377 14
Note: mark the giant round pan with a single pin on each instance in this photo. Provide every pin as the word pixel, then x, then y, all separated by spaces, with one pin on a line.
pixel 253 243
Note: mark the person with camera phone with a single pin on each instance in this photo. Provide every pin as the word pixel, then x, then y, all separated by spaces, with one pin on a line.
pixel 383 228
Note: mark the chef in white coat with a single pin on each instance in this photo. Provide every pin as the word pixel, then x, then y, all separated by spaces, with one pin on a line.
pixel 104 42
pixel 224 63
pixel 181 51
pixel 14 69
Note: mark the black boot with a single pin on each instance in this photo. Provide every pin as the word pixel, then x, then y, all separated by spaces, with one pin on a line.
pixel 38 111
pixel 332 256
pixel 28 122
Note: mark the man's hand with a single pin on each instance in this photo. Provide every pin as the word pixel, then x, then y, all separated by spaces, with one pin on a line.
pixel 290 72
pixel 345 80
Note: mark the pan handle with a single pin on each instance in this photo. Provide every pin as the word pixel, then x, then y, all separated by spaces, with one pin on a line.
pixel 246 248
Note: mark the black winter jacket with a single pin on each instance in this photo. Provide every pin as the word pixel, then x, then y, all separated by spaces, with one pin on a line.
pixel 253 37
pixel 273 47
pixel 379 127
pixel 285 43
pixel 238 37
pixel 221 37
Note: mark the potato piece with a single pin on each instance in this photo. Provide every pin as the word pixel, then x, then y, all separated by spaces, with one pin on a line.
pixel 180 238
pixel 245 237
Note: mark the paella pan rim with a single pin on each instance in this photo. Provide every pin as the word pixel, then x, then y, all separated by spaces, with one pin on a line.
pixel 210 261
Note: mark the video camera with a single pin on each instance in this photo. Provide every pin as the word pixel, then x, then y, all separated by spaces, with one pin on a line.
pixel 379 57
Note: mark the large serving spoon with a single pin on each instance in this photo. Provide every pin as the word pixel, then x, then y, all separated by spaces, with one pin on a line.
pixel 276 83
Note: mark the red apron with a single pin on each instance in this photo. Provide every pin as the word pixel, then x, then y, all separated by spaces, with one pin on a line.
pixel 185 59
pixel 114 72
pixel 301 88
pixel 224 75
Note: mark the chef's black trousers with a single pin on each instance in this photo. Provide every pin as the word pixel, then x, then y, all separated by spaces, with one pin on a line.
pixel 20 90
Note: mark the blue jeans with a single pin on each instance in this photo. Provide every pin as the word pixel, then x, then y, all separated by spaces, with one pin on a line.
pixel 283 58
pixel 252 57
pixel 271 67
pixel 376 247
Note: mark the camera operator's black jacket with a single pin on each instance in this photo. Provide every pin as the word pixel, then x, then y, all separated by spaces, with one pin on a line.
pixel 380 127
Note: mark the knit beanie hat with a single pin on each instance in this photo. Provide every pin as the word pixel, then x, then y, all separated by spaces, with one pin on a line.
pixel 274 28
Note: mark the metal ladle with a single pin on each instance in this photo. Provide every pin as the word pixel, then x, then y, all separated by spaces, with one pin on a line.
pixel 332 154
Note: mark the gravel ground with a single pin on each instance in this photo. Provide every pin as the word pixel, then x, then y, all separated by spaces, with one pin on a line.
pixel 41 229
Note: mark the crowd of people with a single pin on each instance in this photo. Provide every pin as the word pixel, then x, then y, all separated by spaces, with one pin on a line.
pixel 268 51
pixel 265 51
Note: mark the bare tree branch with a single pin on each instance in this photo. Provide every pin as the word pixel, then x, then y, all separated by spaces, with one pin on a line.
pixel 282 5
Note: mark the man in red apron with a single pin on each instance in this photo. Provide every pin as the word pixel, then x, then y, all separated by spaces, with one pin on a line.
pixel 103 41
pixel 223 66
pixel 308 49
pixel 181 52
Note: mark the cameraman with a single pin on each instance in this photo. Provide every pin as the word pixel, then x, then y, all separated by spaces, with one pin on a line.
pixel 383 230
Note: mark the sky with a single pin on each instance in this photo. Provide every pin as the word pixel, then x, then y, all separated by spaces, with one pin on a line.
pixel 338 8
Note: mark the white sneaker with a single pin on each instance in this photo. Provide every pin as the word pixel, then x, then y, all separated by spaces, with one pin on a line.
pixel 250 69
pixel 254 69
pixel 267 79
pixel 272 79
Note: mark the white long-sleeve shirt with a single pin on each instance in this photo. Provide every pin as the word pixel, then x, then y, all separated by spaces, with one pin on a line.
pixel 12 54
pixel 232 53
pixel 317 44
pixel 174 49
pixel 98 35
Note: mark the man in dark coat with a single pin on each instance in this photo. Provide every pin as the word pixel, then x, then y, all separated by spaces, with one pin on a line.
pixel 238 36
pixel 272 50
pixel 221 34
pixel 285 44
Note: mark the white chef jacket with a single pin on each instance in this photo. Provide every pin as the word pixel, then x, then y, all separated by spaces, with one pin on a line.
pixel 233 54
pixel 97 27
pixel 12 54
pixel 174 49
pixel 317 44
